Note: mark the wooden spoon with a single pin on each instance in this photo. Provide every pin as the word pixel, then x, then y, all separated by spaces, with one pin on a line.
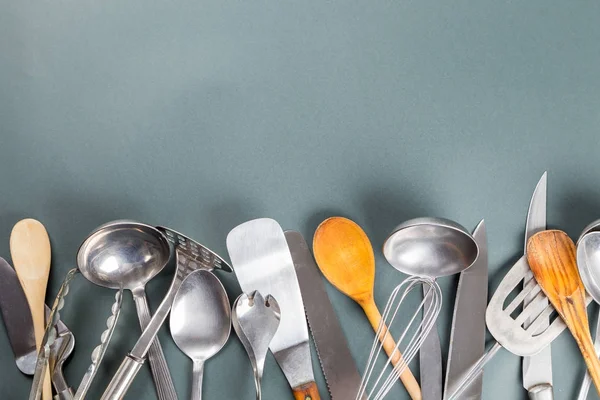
pixel 552 258
pixel 30 252
pixel 345 256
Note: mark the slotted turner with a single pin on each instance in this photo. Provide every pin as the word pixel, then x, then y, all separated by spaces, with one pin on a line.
pixel 506 325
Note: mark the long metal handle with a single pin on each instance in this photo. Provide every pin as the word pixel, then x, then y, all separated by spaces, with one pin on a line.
pixel 587 380
pixel 430 359
pixel 541 392
pixel 158 364
pixel 197 374
pixel 473 373
pixel 122 379
pixel 64 395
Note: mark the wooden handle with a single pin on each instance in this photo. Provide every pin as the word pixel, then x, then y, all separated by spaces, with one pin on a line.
pixel 408 379
pixel 308 391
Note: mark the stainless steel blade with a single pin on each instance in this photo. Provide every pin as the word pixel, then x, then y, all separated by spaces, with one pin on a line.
pixel 467 337
pixel 339 368
pixel 262 261
pixel 537 370
pixel 17 319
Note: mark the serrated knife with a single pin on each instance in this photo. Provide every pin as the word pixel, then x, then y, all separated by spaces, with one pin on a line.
pixel 537 370
pixel 339 368
pixel 467 337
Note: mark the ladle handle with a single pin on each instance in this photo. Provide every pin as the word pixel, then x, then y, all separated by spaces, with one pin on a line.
pixel 197 374
pixel 587 380
pixel 408 379
pixel 158 364
pixel 123 378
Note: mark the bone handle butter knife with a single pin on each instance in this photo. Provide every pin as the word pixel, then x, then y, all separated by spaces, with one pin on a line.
pixel 467 337
pixel 339 368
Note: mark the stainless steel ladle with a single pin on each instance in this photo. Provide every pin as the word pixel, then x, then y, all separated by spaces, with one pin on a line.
pixel 431 247
pixel 128 254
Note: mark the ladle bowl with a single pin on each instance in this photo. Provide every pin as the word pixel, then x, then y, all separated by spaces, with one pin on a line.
pixel 123 253
pixel 433 247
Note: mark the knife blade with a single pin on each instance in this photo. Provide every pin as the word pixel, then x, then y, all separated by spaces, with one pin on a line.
pixel 262 261
pixel 467 337
pixel 339 368
pixel 537 370
pixel 17 319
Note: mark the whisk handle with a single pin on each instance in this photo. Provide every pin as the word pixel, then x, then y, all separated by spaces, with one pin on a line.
pixel 408 379
pixel 308 391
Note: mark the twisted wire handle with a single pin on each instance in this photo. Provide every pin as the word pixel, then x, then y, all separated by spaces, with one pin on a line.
pixel 100 350
pixel 50 336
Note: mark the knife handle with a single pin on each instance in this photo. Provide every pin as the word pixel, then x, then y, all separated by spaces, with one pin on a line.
pixel 541 392
pixel 308 391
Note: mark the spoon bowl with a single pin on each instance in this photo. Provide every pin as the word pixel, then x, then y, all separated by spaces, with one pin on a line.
pixel 588 260
pixel 200 321
pixel 433 247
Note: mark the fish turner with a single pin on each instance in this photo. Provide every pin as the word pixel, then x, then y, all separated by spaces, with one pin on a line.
pixel 506 322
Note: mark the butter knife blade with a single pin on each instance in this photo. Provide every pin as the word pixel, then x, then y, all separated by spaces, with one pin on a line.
pixel 339 368
pixel 467 337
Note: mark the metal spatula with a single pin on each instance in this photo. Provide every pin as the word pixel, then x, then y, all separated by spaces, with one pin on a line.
pixel 506 322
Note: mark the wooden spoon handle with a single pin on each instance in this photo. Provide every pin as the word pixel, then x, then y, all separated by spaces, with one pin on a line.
pixel 408 379
pixel 308 391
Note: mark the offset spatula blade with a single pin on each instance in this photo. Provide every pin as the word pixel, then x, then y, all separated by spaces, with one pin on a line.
pixel 17 319
pixel 262 261
pixel 339 368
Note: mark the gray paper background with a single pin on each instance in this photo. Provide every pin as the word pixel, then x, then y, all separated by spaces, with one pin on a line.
pixel 202 115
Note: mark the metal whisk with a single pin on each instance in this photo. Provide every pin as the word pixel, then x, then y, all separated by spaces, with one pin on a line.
pixel 375 386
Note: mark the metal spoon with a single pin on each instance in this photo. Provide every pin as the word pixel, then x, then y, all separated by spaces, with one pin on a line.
pixel 129 254
pixel 432 247
pixel 588 262
pixel 255 321
pixel 200 321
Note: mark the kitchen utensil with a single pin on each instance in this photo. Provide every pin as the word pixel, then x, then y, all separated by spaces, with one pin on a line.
pixel 200 321
pixel 255 321
pixel 190 256
pixel 49 338
pixel 376 387
pixel 552 258
pixel 587 262
pixel 19 326
pixel 345 257
pixel 17 319
pixel 56 332
pixel 339 368
pixel 30 252
pixel 100 350
pixel 433 247
pixel 537 369
pixel 59 352
pixel 128 254
pixel 262 261
pixel 505 323
pixel 467 336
